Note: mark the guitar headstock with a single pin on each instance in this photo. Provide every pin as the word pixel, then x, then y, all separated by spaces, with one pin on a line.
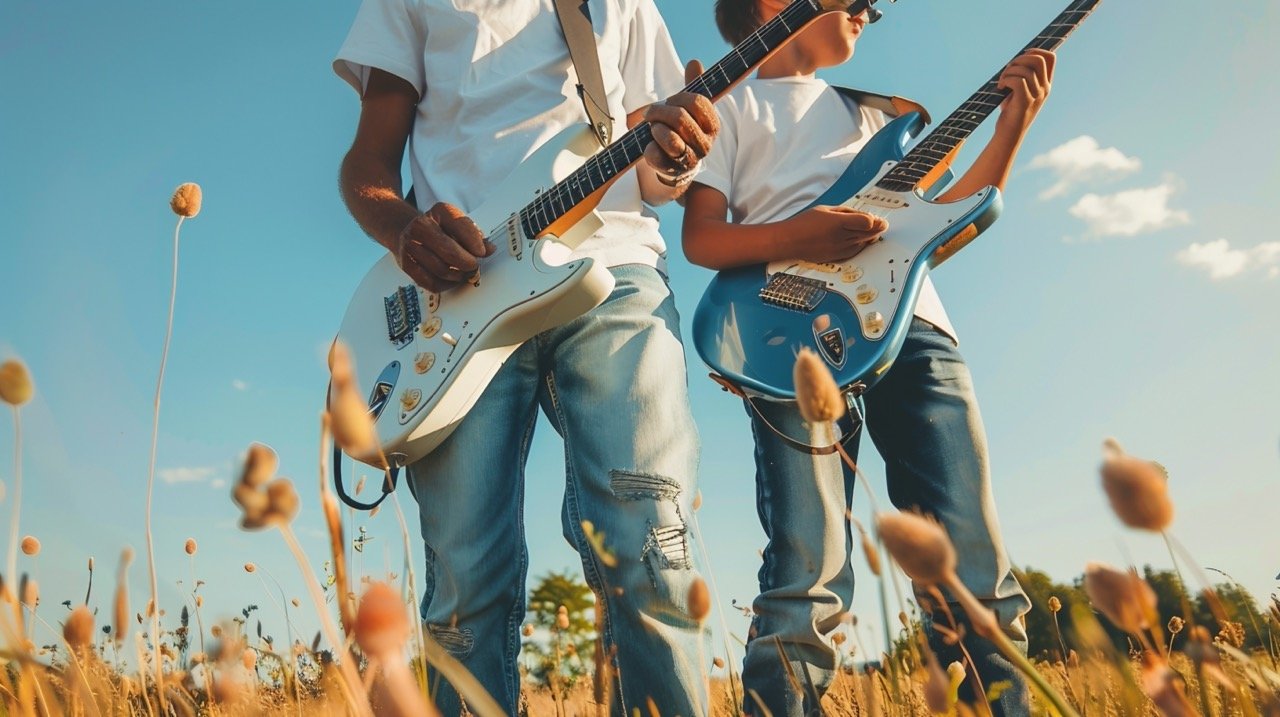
pixel 853 8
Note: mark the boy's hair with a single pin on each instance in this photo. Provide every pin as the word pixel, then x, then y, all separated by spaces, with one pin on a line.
pixel 737 19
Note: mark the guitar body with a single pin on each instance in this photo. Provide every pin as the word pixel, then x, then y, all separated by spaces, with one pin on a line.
pixel 752 321
pixel 427 357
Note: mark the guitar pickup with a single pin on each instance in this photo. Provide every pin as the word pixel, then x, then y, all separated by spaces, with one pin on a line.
pixel 796 293
pixel 404 313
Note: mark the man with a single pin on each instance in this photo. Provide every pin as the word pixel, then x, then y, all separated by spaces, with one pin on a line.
pixel 474 86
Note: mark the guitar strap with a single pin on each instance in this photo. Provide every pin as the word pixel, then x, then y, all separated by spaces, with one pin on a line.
pixel 891 105
pixel 575 21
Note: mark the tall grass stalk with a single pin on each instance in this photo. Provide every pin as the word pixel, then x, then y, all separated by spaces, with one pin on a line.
pixel 11 567
pixel 151 467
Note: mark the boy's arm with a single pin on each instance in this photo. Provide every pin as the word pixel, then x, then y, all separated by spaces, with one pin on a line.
pixel 817 234
pixel 1028 79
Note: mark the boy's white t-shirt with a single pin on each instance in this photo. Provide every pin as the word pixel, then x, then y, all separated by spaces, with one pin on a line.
pixel 496 82
pixel 783 142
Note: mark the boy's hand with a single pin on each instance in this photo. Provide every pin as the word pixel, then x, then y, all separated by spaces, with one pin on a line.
pixel 441 248
pixel 684 126
pixel 1028 79
pixel 830 233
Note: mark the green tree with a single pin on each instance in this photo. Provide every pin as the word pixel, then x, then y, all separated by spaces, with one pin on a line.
pixel 560 650
pixel 1042 639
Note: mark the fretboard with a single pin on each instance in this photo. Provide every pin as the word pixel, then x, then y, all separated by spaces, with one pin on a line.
pixel 957 127
pixel 601 168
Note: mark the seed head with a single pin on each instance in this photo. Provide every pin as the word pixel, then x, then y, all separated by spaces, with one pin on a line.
pixel 78 629
pixel 249 658
pixel 527 630
pixel 699 600
pixel 1126 599
pixel 1138 489
pixel 869 550
pixel 562 619
pixel 816 392
pixel 381 622
pixel 919 545
pixel 1054 604
pixel 186 200
pixel 838 639
pixel 717 662
pixel 250 567
pixel 31 546
pixel 30 593
pixel 15 383
pixel 1176 624
pixel 190 546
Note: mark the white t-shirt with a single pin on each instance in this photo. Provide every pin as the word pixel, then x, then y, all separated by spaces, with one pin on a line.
pixel 783 142
pixel 496 82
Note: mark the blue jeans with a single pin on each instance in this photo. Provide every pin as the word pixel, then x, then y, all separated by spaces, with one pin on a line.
pixel 612 383
pixel 923 418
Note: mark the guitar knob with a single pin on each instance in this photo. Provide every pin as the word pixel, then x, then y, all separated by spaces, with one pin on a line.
pixel 874 322
pixel 431 327
pixel 423 362
pixel 851 274
pixel 410 399
pixel 865 294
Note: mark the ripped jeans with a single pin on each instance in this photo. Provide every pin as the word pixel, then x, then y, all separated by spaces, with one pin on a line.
pixel 613 384
pixel 923 419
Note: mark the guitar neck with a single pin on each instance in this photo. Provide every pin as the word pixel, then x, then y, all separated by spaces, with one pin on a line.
pixel 939 145
pixel 618 157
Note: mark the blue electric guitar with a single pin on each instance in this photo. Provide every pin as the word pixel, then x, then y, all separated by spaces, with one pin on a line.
pixel 752 321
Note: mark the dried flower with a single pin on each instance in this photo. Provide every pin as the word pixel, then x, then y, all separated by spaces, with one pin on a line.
pixel 1175 625
pixel 1054 604
pixel 249 658
pixel 919 545
pixel 120 606
pixel 527 630
pixel 699 600
pixel 838 639
pixel 352 425
pixel 382 622
pixel 31 546
pixel 260 465
pixel 15 383
pixel 869 550
pixel 717 662
pixel 186 200
pixel 817 395
pixel 78 629
pixel 1126 599
pixel 190 546
pixel 562 619
pixel 936 687
pixel 274 505
pixel 250 567
pixel 1138 489
pixel 1165 687
pixel 30 593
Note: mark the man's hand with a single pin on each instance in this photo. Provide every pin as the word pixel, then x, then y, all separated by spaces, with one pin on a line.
pixel 683 129
pixel 441 248
pixel 1028 78
pixel 826 233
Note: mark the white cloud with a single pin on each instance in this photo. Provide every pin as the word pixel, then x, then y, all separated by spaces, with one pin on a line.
pixel 239 385
pixel 218 483
pixel 1131 212
pixel 186 475
pixel 1081 160
pixel 1223 262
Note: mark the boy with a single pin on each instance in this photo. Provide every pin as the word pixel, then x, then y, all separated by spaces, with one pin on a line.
pixel 786 137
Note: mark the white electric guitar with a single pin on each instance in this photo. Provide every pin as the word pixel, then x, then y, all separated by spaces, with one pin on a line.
pixel 427 357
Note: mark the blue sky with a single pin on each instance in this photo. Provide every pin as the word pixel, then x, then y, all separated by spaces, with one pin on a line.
pixel 1129 290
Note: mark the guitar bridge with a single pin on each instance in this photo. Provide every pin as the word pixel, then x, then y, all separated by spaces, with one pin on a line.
pixel 403 315
pixel 796 293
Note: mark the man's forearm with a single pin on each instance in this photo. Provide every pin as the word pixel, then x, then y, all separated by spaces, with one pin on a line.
pixel 372 192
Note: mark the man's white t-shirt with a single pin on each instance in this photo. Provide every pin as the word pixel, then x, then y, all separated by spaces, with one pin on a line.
pixel 783 142
pixel 496 82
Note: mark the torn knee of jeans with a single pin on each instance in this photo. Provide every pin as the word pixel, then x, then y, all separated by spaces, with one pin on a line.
pixel 457 641
pixel 633 485
pixel 668 546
